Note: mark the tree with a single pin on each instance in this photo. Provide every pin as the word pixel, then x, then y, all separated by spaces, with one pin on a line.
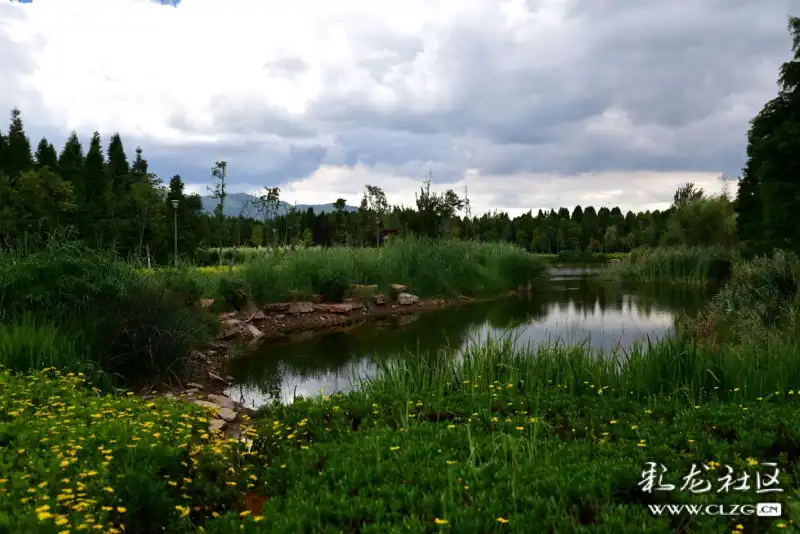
pixel 435 210
pixel 686 193
pixel 375 202
pixel 768 196
pixel 71 168
pixel 43 200
pixel 45 156
pixel 96 211
pixel 220 172
pixel 17 156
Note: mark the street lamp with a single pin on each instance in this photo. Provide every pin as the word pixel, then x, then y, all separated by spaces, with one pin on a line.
pixel 175 219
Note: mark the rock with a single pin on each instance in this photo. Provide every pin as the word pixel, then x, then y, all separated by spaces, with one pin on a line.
pixel 206 404
pixel 228 333
pixel 222 401
pixel 217 425
pixel 215 376
pixel 380 299
pixel 301 307
pixel 359 287
pixel 399 288
pixel 253 331
pixel 231 322
pixel 346 307
pixel 277 307
pixel 406 299
pixel 227 414
pixel 280 316
pixel 169 395
pixel 194 385
pixel 257 315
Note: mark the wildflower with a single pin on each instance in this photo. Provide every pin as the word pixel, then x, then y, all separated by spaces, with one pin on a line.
pixel 502 520
pixel 244 513
pixel 394 449
pixel 752 462
pixel 520 428
pixel 612 422
pixel 440 521
pixel 121 509
pixel 258 518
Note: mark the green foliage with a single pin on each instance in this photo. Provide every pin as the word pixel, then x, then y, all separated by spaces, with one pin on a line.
pixel 131 325
pixel 769 192
pixel 697 265
pixel 760 302
pixel 429 268
pixel 71 458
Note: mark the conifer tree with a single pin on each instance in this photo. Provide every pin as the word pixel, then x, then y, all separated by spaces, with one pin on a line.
pixel 18 157
pixel 71 168
pixel 45 156
pixel 97 210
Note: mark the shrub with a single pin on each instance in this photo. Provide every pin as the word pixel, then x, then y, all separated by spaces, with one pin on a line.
pixel 676 265
pixel 133 325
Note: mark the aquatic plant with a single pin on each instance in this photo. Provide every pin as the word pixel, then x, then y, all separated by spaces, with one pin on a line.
pixel 690 265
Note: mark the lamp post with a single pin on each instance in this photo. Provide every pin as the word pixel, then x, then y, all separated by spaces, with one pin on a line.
pixel 175 220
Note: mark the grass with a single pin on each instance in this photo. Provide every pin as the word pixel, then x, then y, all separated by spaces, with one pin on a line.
pixel 500 438
pixel 499 441
pixel 428 268
pixel 131 327
pixel 680 265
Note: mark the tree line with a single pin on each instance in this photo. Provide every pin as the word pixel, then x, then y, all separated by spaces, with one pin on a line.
pixel 103 198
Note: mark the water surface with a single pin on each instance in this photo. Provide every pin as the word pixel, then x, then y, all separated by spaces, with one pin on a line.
pixel 576 307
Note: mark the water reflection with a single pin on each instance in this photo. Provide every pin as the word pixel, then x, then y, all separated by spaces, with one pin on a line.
pixel 575 308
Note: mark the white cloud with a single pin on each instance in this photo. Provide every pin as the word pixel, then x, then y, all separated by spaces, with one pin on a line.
pixel 546 98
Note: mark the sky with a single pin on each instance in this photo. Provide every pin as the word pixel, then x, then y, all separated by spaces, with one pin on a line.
pixel 529 103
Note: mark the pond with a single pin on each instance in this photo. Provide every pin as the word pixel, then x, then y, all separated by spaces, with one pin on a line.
pixel 575 307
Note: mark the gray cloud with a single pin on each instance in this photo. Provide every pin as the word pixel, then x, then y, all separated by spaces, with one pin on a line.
pixel 619 86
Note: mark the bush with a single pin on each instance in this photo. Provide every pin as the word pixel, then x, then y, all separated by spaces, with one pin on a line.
pixel 132 325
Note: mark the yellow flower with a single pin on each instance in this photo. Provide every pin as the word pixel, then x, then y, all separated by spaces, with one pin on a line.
pixel 121 509
pixel 258 518
pixel 502 520
pixel 244 514
pixel 394 449
pixel 752 462
pixel 440 521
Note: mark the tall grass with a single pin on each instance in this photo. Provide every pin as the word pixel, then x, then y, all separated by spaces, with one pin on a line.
pixel 670 367
pixel 760 302
pixel 429 268
pixel 689 265
pixel 140 328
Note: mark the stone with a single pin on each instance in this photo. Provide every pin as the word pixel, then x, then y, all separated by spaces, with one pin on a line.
pixel 227 414
pixel 231 322
pixel 253 331
pixel 399 288
pixel 169 395
pixel 256 315
pixel 334 308
pixel 222 401
pixel 228 332
pixel 206 404
pixel 215 376
pixel 217 425
pixel 277 307
pixel 194 385
pixel 406 299
pixel 192 391
pixel 301 307
pixel 380 299
pixel 280 316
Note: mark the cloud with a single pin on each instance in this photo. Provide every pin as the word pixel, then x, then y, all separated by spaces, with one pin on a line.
pixel 554 102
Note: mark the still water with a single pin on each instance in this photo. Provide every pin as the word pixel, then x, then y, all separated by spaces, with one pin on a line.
pixel 575 307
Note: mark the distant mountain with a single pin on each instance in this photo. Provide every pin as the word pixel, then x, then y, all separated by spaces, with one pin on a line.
pixel 242 204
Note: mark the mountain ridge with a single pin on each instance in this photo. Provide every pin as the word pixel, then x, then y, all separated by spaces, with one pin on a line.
pixel 237 204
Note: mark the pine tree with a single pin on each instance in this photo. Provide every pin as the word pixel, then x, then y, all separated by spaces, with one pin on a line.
pixel 45 156
pixel 99 191
pixel 70 166
pixel 17 158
